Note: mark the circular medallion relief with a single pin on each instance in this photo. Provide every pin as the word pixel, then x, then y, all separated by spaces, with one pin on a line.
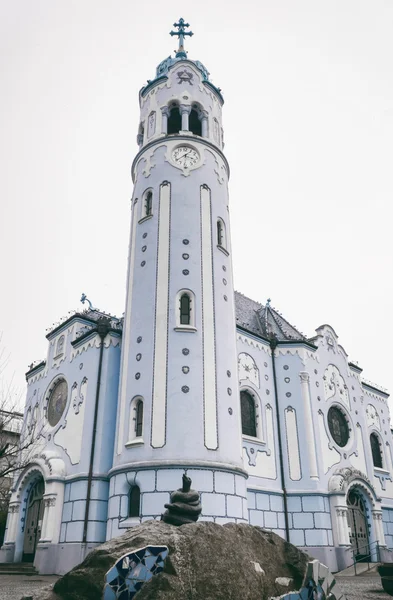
pixel 338 426
pixel 57 402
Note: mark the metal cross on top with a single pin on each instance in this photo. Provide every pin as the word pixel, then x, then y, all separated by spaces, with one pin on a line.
pixel 181 25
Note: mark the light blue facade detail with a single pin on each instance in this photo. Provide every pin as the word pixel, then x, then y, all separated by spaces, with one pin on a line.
pixel 151 397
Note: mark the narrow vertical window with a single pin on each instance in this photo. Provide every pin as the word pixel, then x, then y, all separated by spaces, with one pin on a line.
pixel 134 501
pixel 60 345
pixel 148 203
pixel 139 419
pixel 140 136
pixel 195 124
pixel 219 233
pixel 174 120
pixel 185 310
pixel 376 451
pixel 247 406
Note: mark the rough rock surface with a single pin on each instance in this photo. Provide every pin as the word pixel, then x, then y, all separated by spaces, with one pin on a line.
pixel 206 561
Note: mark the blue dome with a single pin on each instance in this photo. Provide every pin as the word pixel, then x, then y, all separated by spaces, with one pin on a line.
pixel 167 63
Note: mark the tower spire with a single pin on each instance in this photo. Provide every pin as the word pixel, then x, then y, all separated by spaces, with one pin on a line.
pixel 181 33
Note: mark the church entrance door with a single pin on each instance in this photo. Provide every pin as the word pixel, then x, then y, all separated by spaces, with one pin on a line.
pixel 358 525
pixel 33 524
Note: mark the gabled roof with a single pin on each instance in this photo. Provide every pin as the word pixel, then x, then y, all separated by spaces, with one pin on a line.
pixel 264 320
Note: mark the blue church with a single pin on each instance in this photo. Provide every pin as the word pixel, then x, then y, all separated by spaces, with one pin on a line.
pixel 274 428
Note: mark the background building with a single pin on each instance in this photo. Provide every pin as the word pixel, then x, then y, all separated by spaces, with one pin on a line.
pixel 10 427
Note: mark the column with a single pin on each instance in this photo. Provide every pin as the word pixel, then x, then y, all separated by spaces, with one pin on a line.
pixel 164 119
pixel 184 111
pixel 204 121
pixel 312 457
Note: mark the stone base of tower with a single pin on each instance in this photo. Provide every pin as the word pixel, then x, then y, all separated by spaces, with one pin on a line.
pixel 7 553
pixel 51 559
pixel 58 559
pixel 223 494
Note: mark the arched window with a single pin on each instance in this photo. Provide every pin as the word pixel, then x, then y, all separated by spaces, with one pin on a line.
pixel 194 123
pixel 141 135
pixel 185 309
pixel 174 120
pixel 134 501
pixel 139 419
pixel 135 422
pixel 147 204
pixel 221 235
pixel 376 451
pixel 60 345
pixel 247 405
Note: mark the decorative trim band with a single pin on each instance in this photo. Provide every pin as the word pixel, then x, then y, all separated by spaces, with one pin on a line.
pixel 177 464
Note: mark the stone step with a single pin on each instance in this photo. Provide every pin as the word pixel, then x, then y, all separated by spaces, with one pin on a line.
pixel 18 569
pixel 362 568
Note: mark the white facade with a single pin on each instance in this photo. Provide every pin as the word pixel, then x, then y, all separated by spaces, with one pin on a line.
pixel 273 428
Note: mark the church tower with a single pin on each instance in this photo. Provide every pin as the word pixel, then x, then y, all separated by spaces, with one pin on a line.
pixel 178 407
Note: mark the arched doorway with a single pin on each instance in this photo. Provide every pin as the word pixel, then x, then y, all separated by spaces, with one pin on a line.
pixel 358 524
pixel 33 522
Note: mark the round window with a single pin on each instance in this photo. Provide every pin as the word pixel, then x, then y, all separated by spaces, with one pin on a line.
pixel 338 426
pixel 57 402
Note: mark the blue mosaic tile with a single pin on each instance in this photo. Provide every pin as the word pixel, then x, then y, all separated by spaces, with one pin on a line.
pixel 316 591
pixel 304 594
pixel 109 593
pixel 132 570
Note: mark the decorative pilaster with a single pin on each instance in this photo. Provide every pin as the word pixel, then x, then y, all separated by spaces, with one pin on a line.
pixel 13 518
pixel 312 456
pixel 49 519
pixel 184 111
pixel 342 526
pixel 378 527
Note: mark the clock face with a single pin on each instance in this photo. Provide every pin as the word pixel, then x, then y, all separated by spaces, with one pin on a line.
pixel 57 402
pixel 185 157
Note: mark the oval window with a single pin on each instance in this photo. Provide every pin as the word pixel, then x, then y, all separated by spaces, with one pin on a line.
pixel 338 426
pixel 57 402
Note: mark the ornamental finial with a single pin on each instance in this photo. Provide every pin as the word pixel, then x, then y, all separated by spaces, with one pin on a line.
pixel 181 25
pixel 84 299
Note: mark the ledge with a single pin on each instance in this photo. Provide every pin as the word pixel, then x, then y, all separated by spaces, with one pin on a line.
pixel 186 328
pixel 145 218
pixel 177 464
pixel 223 250
pixel 130 522
pixel 134 443
pixel 380 471
pixel 253 440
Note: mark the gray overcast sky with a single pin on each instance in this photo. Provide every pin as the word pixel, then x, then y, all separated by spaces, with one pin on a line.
pixel 308 124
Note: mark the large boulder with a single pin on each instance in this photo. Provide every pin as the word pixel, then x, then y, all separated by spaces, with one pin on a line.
pixel 205 561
